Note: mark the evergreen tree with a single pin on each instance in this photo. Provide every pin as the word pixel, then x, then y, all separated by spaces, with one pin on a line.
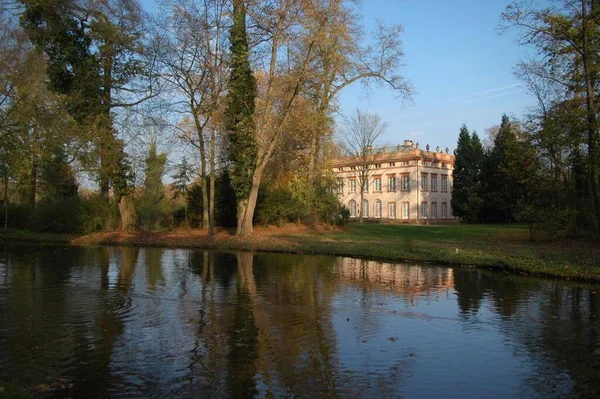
pixel 239 123
pixel 58 178
pixel 180 185
pixel 151 201
pixel 512 176
pixel 92 52
pixel 467 198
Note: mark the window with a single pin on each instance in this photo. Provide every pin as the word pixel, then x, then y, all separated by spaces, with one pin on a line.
pixel 366 186
pixel 377 165
pixel 435 164
pixel 378 184
pixel 433 182
pixel 352 209
pixel 443 165
pixel 423 181
pixel 444 183
pixel 423 210
pixel 444 210
pixel 392 183
pixel 392 164
pixel 392 210
pixel 365 209
pixel 405 183
pixel 377 208
pixel 352 167
pixel 424 163
pixel 404 163
pixel 340 169
pixel 433 213
pixel 405 210
pixel 352 186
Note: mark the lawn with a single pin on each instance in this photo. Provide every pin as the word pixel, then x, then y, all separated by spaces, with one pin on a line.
pixel 505 247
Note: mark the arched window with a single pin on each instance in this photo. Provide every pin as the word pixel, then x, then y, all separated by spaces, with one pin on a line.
pixel 405 210
pixel 365 209
pixel 352 209
pixel 392 210
pixel 377 208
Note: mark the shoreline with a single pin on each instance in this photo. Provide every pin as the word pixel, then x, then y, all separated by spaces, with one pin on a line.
pixel 502 248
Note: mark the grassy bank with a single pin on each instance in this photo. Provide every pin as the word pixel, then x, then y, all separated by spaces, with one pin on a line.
pixel 505 247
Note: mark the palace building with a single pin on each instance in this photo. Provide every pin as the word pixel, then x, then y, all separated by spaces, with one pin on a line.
pixel 405 184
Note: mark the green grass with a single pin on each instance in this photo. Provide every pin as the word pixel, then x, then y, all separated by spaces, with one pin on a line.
pixel 505 247
pixel 30 236
pixel 492 246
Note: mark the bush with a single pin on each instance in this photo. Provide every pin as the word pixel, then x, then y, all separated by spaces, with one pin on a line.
pixel 18 215
pixel 97 214
pixel 56 217
pixel 279 207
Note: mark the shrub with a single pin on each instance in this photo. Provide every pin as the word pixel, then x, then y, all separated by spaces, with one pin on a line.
pixel 56 217
pixel 97 214
pixel 279 207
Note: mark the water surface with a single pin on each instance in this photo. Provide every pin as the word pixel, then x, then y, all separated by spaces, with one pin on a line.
pixel 131 322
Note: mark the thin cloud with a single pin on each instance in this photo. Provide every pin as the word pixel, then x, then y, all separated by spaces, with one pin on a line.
pixel 506 93
pixel 486 92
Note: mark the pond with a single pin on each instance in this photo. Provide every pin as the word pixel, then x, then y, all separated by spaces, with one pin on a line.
pixel 149 322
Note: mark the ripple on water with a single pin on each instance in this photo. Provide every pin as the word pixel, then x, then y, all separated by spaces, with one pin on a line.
pixel 114 325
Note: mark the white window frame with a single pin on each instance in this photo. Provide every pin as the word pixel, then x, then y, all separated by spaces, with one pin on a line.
pixel 405 183
pixel 378 209
pixel 406 210
pixel 392 210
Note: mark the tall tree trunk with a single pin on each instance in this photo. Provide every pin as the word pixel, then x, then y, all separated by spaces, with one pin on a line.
pixel 5 202
pixel 592 118
pixel 241 230
pixel 250 204
pixel 104 180
pixel 106 143
pixel 127 212
pixel 360 206
pixel 211 201
pixel 32 194
pixel 312 161
pixel 202 147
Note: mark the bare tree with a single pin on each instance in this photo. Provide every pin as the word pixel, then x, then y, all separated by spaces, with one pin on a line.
pixel 359 136
pixel 343 57
pixel 292 41
pixel 191 49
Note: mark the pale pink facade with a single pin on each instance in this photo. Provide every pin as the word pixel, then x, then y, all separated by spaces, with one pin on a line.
pixel 405 185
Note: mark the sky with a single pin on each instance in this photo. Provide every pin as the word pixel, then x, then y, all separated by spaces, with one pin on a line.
pixel 460 67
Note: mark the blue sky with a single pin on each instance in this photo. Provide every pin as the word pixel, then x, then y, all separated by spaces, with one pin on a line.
pixel 460 67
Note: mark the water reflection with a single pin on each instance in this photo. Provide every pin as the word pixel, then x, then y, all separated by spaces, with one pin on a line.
pixel 110 322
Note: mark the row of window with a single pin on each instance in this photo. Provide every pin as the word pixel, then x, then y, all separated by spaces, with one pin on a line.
pixel 427 212
pixel 404 186
pixel 402 163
